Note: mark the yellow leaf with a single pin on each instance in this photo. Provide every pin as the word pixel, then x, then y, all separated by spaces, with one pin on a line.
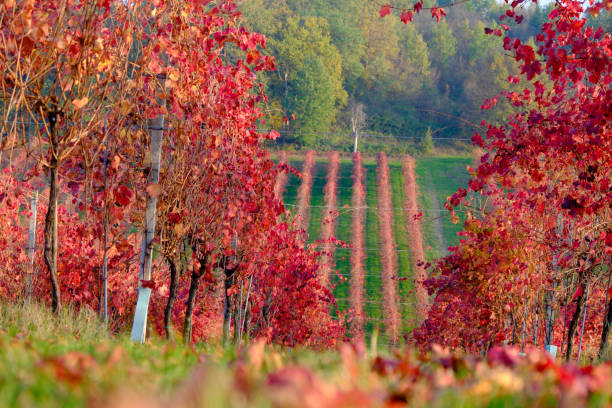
pixel 80 103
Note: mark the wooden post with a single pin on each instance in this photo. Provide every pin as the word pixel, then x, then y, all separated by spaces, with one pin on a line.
pixel 156 130
pixel 31 243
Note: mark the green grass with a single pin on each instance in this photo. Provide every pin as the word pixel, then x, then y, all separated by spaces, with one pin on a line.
pixel 404 260
pixel 439 177
pixel 70 361
pixel 317 199
pixel 344 232
pixel 293 183
pixel 373 306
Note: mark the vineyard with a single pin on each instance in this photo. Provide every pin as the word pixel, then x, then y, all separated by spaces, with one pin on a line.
pixel 373 205
pixel 159 248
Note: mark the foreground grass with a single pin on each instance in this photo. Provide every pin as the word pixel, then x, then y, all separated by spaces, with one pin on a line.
pixel 69 361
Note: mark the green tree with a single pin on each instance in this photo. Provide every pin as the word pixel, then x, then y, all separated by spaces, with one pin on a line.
pixel 427 145
pixel 442 44
pixel 311 99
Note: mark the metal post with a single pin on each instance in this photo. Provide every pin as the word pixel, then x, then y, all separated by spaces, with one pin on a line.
pixel 104 239
pixel 524 323
pixel 31 243
pixel 146 255
pixel 535 331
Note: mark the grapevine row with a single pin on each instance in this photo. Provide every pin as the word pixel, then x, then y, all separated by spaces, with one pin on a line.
pixel 281 179
pixel 305 189
pixel 328 224
pixel 415 234
pixel 388 255
pixel 357 255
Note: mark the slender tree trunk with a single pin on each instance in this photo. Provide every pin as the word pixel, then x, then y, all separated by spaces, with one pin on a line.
pixel 193 291
pixel 174 282
pixel 550 316
pixel 51 221
pixel 227 302
pixel 573 324
pixel 605 331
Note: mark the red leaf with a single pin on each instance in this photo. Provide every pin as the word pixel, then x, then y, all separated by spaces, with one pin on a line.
pixel 577 294
pixel 123 195
pixel 437 13
pixel 418 6
pixel 385 10
pixel 406 16
pixel 148 284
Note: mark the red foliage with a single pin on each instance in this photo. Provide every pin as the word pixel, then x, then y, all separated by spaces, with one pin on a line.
pixel 216 193
pixel 546 180
pixel 388 255
pixel 357 253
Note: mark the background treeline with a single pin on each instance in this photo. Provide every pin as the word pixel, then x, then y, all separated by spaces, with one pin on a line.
pixel 418 83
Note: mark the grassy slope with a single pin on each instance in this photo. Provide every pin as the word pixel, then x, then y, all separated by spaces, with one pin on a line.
pixel 444 175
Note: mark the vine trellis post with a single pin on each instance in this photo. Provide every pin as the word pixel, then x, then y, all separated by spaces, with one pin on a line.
pixel 31 243
pixel 105 233
pixel 156 129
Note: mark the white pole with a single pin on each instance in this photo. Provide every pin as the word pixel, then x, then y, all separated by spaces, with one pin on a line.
pixel 31 242
pixel 105 257
pixel 138 335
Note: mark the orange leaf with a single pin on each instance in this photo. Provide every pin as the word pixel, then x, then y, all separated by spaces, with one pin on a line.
pixel 154 190
pixel 80 103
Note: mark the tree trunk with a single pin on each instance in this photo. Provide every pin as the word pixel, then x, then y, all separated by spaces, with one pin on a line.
pixel 174 283
pixel 573 325
pixel 550 316
pixel 605 331
pixel 193 290
pixel 227 303
pixel 51 220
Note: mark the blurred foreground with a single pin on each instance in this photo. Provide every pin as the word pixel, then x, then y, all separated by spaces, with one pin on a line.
pixel 69 361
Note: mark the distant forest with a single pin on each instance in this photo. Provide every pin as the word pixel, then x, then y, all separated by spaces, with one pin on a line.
pixel 334 58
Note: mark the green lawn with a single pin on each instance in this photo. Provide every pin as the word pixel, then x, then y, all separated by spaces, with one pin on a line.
pixel 438 178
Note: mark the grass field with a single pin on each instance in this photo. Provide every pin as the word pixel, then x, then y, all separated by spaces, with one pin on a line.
pixel 71 361
pixel 437 178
